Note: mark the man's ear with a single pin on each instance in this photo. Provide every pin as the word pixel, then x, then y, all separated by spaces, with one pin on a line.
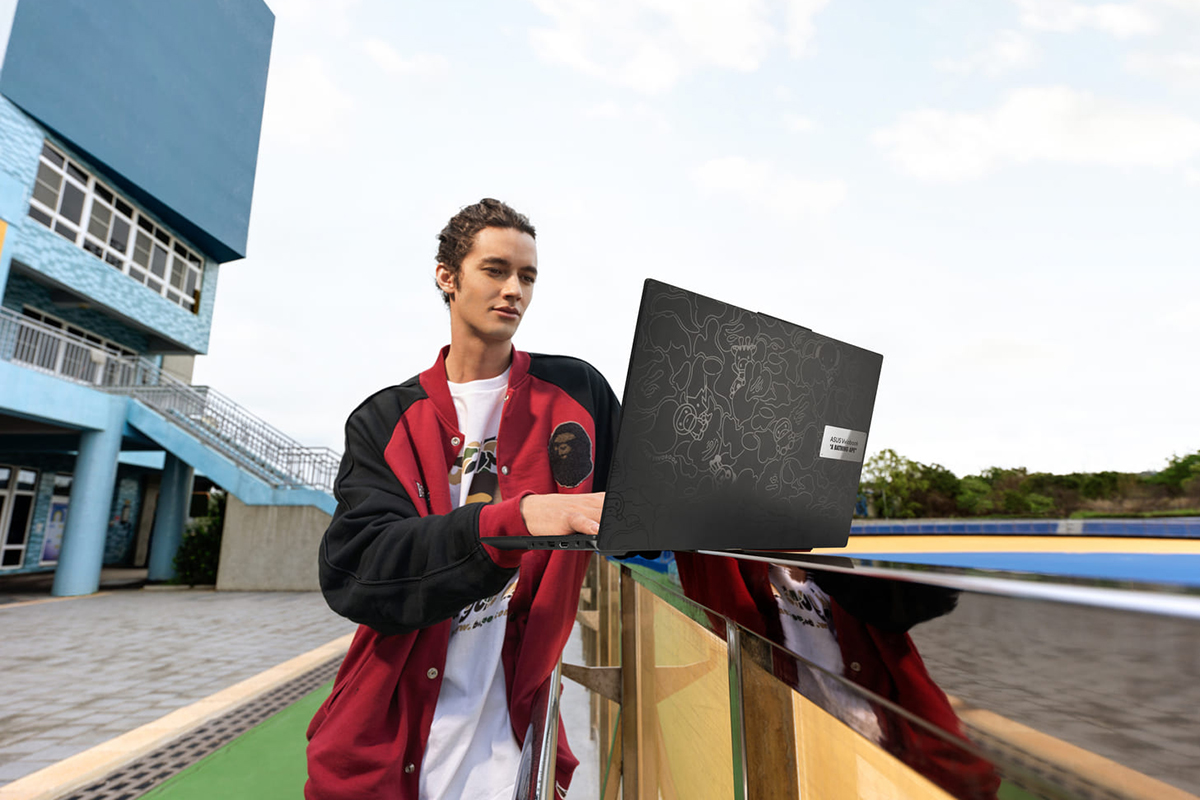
pixel 447 281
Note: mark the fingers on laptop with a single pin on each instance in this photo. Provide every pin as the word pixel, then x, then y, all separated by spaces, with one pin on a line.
pixel 562 514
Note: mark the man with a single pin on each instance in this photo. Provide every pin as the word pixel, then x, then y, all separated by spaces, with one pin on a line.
pixel 457 638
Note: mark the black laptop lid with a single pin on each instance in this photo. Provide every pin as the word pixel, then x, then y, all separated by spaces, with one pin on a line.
pixel 738 431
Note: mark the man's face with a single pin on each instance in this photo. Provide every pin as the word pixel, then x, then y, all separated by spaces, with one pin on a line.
pixel 494 286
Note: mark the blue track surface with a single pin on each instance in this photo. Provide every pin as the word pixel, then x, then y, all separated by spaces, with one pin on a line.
pixel 1141 567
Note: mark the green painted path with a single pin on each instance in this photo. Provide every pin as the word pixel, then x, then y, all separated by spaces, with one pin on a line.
pixel 267 762
pixel 264 763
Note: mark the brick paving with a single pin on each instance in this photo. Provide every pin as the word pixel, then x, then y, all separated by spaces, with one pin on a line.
pixel 1120 684
pixel 81 671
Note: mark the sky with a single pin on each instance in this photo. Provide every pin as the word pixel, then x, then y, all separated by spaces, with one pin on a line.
pixel 999 196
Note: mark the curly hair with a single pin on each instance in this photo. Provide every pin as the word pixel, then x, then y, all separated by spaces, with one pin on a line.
pixel 458 237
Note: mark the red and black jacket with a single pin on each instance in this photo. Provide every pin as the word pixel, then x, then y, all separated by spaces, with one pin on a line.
pixel 400 561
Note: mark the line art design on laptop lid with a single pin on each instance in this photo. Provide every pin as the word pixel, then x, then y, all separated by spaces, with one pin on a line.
pixel 726 412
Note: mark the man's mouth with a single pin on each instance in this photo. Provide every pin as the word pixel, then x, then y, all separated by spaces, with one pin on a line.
pixel 507 311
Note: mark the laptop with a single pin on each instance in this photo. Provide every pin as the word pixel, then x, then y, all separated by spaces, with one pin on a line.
pixel 738 431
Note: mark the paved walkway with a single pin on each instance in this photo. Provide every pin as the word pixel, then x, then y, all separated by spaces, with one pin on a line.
pixel 80 671
pixel 1120 684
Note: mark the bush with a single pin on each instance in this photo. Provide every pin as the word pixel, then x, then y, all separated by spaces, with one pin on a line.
pixel 973 497
pixel 1040 504
pixel 199 553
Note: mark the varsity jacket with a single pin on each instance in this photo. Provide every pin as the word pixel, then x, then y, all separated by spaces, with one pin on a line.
pixel 885 662
pixel 400 561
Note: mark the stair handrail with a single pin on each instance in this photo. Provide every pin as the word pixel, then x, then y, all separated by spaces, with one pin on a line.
pixel 247 438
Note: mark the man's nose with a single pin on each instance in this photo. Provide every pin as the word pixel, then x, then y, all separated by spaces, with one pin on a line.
pixel 512 287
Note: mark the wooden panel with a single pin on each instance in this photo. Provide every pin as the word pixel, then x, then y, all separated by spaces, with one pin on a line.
pixel 835 763
pixel 684 685
pixel 770 729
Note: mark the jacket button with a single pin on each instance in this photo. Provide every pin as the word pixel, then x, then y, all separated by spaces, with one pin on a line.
pixel 455 441
pixel 504 470
pixel 409 768
pixel 855 666
pixel 433 673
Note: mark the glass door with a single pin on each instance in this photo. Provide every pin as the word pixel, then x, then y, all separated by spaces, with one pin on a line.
pixel 19 488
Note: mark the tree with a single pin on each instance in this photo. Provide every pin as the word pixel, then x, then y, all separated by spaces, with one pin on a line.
pixel 896 481
pixel 974 496
pixel 1182 474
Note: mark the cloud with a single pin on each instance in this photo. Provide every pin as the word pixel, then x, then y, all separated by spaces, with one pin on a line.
pixel 1010 50
pixel 798 124
pixel 1178 68
pixel 333 17
pixel 644 115
pixel 294 89
pixel 390 61
pixel 1051 124
pixel 800 28
pixel 650 45
pixel 764 188
pixel 1122 20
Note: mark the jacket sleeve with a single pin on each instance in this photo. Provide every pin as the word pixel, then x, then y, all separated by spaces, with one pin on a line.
pixel 384 565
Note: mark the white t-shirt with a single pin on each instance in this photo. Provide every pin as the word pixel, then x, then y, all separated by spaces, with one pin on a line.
pixel 471 752
pixel 807 617
pixel 479 405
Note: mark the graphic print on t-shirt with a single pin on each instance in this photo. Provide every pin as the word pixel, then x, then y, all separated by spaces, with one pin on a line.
pixel 476 465
pixel 484 611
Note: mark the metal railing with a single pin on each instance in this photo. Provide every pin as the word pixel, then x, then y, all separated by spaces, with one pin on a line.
pixel 213 418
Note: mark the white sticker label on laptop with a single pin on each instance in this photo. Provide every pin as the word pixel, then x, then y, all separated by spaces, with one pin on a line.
pixel 843 444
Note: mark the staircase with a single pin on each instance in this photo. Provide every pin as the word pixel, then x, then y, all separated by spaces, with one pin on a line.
pixel 206 414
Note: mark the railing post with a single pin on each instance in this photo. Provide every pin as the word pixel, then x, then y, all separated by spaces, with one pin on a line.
pixel 737 716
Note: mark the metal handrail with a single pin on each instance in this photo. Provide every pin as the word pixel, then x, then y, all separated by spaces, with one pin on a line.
pixel 220 422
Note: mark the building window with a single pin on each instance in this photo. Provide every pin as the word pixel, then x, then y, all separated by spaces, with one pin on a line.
pixel 74 204
pixel 18 487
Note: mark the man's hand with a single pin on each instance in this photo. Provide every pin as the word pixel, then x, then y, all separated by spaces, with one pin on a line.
pixel 562 514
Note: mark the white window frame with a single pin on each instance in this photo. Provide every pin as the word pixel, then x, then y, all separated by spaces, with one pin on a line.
pixel 8 497
pixel 149 253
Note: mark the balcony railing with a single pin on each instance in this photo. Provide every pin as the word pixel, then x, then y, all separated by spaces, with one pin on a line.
pixel 215 419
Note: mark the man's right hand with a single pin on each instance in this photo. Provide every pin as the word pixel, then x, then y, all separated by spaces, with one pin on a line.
pixel 562 514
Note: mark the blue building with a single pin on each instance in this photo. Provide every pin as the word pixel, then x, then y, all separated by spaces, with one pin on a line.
pixel 129 136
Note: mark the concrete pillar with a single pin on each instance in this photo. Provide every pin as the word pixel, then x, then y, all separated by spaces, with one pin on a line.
pixel 95 474
pixel 174 496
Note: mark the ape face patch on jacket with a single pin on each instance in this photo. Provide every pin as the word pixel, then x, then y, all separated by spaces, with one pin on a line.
pixel 570 455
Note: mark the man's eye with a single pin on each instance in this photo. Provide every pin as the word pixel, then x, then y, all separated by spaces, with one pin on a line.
pixel 528 279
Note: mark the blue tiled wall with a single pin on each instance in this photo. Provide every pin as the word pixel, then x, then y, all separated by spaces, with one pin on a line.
pixel 21 291
pixel 39 250
pixel 122 522
pixel 20 143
